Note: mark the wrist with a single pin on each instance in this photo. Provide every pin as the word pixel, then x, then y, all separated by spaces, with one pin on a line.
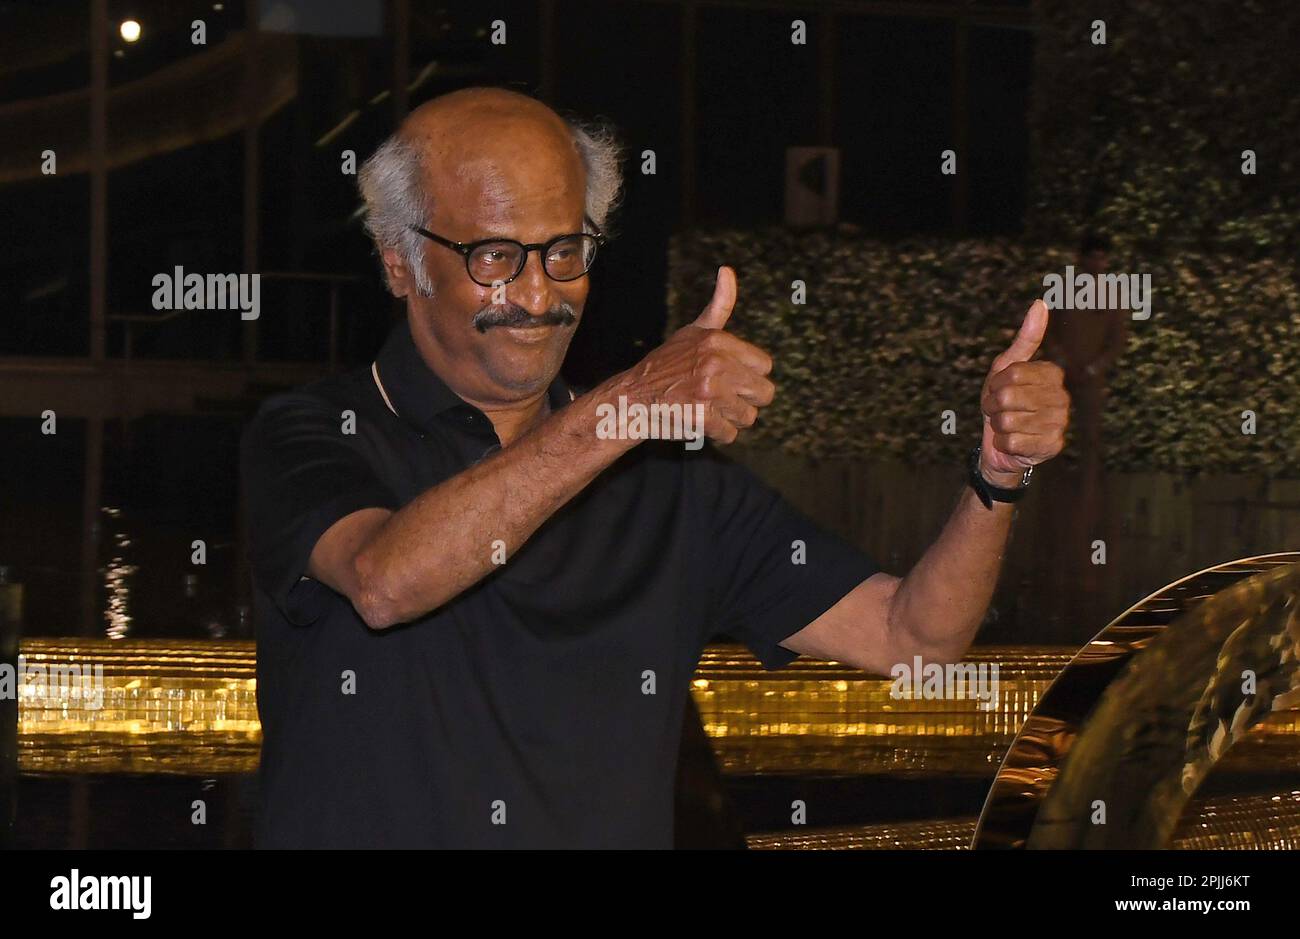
pixel 991 491
pixel 590 415
pixel 1000 478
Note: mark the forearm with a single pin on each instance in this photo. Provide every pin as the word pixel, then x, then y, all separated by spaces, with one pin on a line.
pixel 938 607
pixel 452 535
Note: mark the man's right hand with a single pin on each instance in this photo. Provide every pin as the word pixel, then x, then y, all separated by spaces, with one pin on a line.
pixel 703 364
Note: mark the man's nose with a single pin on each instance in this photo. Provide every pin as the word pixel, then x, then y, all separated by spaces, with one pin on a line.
pixel 532 289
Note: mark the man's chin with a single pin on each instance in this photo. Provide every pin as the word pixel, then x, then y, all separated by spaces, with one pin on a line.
pixel 524 361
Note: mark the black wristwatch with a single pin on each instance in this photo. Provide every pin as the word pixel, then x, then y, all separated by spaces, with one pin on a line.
pixel 990 493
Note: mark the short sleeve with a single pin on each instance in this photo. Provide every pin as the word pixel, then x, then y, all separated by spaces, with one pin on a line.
pixel 771 569
pixel 301 474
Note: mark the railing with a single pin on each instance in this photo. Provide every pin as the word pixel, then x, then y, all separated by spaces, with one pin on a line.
pixel 132 321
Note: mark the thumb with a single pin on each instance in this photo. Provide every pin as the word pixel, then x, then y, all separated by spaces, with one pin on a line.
pixel 715 315
pixel 1027 340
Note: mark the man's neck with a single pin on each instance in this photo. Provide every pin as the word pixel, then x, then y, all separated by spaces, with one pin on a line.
pixel 512 422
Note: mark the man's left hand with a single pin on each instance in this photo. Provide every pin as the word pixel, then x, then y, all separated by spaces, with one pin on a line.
pixel 1025 404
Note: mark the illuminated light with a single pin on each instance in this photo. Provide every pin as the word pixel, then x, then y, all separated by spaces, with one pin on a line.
pixel 130 30
pixel 189 707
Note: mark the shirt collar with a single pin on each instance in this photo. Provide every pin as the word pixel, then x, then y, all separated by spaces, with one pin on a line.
pixel 414 391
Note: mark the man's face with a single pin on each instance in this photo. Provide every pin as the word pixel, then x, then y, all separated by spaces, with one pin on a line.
pixel 528 187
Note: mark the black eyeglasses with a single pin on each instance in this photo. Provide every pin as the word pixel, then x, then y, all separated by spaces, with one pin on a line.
pixel 494 261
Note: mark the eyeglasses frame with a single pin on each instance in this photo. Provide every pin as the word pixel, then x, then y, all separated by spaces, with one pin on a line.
pixel 467 248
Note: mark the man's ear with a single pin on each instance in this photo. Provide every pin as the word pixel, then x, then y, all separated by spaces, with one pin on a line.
pixel 401 282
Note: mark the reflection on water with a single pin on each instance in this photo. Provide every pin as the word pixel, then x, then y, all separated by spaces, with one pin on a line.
pixel 166 482
pixel 116 582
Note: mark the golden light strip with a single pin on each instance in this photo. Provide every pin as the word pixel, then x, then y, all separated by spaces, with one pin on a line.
pixel 165 706
pixel 822 717
pixel 190 707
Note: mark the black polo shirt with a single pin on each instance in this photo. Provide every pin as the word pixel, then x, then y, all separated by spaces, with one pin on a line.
pixel 543 706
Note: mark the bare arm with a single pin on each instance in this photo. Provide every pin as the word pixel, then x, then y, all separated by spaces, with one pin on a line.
pixel 933 612
pixel 937 608
pixel 398 566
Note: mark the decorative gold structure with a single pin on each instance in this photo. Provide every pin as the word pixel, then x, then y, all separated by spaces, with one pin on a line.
pixel 1265 822
pixel 1163 722
pixel 827 718
pixel 137 706
pixel 189 707
pixel 1127 740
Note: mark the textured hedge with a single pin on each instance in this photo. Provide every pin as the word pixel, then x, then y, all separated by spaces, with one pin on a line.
pixel 1142 137
pixel 892 335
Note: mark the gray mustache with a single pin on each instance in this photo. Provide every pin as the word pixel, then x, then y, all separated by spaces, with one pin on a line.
pixel 514 316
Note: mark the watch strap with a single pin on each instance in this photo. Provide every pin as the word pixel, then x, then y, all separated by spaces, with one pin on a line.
pixel 989 493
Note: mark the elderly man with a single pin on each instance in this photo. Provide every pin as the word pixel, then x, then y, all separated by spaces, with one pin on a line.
pixel 477 616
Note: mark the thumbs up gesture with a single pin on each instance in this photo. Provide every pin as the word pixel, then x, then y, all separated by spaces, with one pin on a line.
pixel 1026 407
pixel 704 364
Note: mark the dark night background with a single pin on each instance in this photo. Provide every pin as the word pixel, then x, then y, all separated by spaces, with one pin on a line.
pixel 891 110
pixel 225 157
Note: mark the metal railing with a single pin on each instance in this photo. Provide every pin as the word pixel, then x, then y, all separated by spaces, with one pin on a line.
pixel 132 321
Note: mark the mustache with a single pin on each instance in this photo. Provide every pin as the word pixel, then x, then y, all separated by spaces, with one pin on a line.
pixel 515 316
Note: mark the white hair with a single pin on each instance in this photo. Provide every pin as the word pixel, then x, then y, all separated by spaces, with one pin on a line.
pixel 395 199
